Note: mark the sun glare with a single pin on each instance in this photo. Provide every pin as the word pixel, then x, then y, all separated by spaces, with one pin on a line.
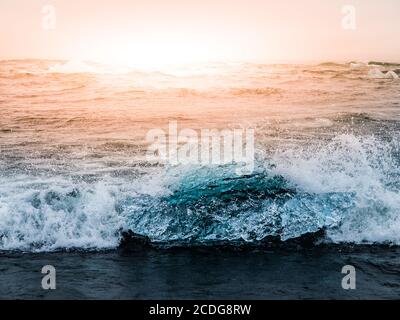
pixel 150 54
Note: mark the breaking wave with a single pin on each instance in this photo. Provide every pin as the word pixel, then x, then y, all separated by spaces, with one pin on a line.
pixel 349 187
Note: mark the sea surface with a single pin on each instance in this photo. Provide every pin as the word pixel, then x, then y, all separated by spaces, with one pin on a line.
pixel 204 274
pixel 74 176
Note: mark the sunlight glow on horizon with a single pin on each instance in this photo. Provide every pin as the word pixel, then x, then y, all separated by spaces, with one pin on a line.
pixel 154 54
pixel 154 34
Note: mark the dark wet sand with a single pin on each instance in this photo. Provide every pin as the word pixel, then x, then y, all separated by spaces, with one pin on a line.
pixel 313 273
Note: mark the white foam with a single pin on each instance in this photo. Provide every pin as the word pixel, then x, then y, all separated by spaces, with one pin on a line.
pixel 72 66
pixel 44 216
pixel 376 73
pixel 357 65
pixel 363 166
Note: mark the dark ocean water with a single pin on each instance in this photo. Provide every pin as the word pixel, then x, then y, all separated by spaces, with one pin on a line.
pixel 205 274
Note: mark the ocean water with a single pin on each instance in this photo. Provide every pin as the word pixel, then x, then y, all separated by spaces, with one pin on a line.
pixel 74 172
pixel 204 274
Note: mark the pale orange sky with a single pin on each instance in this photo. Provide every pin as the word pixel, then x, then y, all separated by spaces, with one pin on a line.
pixel 181 31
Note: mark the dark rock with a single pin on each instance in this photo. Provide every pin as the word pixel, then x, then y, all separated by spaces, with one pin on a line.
pixel 384 64
pixel 134 242
pixel 305 241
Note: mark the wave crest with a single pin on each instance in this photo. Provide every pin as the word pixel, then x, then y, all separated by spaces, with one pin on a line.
pixel 348 186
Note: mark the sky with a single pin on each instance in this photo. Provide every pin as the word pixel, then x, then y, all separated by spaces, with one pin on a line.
pixel 184 31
